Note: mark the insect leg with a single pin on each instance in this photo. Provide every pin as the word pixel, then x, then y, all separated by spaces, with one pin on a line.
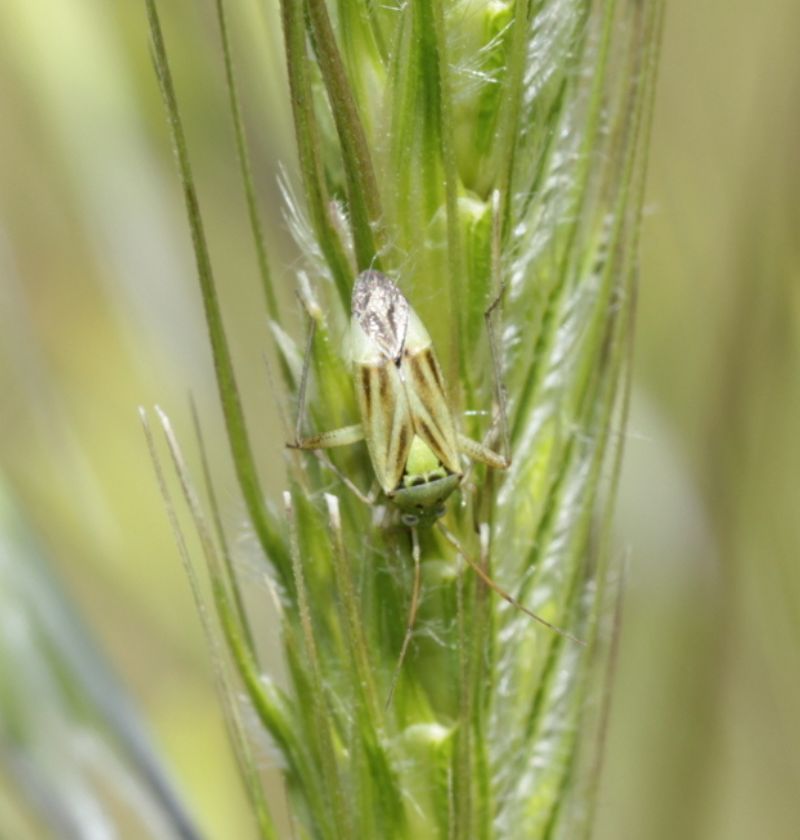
pixel 481 451
pixel 489 318
pixel 484 534
pixel 412 614
pixel 368 499
pixel 325 440
pixel 329 440
pixel 301 391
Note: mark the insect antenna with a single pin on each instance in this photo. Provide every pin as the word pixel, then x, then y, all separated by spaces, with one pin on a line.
pixel 484 536
pixel 412 615
pixel 301 391
pixel 491 314
pixel 492 311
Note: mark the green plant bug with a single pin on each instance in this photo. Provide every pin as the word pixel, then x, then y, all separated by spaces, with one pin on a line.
pixel 406 421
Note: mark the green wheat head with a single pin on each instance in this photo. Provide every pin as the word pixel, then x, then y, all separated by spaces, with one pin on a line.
pixel 409 119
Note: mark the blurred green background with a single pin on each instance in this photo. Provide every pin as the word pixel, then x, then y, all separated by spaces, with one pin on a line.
pixel 99 312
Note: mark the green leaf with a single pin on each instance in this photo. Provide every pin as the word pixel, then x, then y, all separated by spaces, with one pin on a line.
pixel 226 381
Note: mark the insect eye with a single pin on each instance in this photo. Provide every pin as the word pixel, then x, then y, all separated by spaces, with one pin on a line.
pixel 410 520
pixel 439 511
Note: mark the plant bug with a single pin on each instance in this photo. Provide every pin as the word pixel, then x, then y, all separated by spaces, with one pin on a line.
pixel 406 421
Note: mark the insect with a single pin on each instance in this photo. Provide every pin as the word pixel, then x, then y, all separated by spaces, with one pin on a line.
pixel 406 421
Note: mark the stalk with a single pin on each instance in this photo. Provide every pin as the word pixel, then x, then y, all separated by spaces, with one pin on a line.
pixel 467 149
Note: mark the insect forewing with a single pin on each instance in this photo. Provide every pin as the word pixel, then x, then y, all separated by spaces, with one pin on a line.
pixel 398 381
pixel 424 386
pixel 377 335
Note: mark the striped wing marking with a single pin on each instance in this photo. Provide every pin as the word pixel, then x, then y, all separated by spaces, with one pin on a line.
pixel 387 421
pixel 430 412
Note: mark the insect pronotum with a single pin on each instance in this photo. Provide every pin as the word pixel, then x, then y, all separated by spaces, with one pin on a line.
pixel 406 422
